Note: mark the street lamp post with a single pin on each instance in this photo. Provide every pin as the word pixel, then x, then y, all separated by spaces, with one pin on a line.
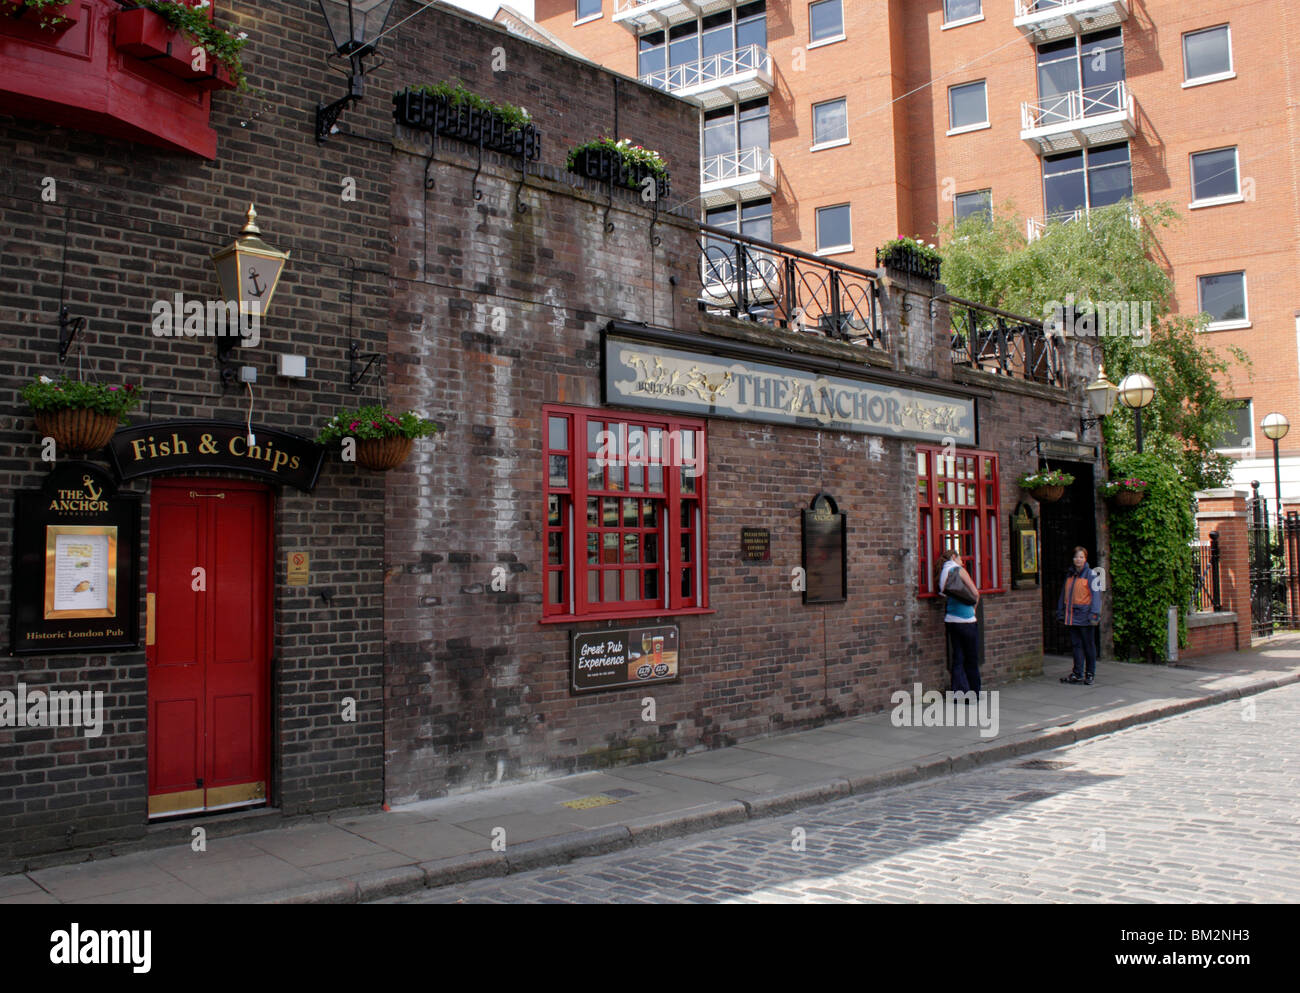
pixel 1275 428
pixel 1135 392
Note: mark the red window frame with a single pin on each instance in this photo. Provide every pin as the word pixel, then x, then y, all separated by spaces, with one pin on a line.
pixel 627 537
pixel 958 500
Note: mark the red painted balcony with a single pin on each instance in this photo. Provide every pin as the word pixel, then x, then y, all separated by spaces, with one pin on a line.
pixel 122 73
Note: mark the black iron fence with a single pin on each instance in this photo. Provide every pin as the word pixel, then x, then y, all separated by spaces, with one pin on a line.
pixel 995 341
pixel 1207 594
pixel 1274 567
pixel 783 287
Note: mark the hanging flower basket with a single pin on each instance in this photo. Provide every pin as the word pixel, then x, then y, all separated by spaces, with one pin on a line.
pixel 383 439
pixel 620 163
pixel 76 430
pixel 80 417
pixel 382 454
pixel 1047 494
pixel 149 36
pixel 53 16
pixel 1127 492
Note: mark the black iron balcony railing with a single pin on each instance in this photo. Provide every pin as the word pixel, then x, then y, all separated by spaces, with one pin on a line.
pixel 784 287
pixel 995 341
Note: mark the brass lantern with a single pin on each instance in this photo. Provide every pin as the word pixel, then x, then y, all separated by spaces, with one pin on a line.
pixel 249 269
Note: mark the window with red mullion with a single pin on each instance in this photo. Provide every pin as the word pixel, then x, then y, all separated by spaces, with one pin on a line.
pixel 625 511
pixel 958 507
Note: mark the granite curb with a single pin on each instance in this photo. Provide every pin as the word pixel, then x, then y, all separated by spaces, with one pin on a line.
pixel 560 849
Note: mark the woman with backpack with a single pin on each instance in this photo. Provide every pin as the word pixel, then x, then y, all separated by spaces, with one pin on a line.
pixel 1079 609
pixel 959 623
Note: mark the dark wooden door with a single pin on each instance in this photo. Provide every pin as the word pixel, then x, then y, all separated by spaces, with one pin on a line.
pixel 1068 522
pixel 209 646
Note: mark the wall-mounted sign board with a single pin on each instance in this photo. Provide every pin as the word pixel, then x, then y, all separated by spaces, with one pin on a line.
pixel 616 659
pixel 173 446
pixel 75 565
pixel 825 552
pixel 647 374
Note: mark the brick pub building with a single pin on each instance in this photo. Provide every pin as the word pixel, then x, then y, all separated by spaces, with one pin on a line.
pixel 836 124
pixel 500 606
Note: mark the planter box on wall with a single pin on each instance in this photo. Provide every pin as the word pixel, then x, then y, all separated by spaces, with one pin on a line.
pixel 17 12
pixel 909 261
pixel 608 166
pixel 437 115
pixel 146 35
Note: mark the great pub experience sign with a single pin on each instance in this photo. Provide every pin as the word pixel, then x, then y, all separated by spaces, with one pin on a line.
pixel 645 374
pixel 169 446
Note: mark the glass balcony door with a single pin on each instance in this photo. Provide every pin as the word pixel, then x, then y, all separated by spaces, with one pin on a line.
pixel 1078 77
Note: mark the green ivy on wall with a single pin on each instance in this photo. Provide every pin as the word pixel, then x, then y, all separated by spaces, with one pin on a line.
pixel 1151 557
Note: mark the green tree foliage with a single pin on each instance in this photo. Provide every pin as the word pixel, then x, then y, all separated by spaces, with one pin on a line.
pixel 1112 257
pixel 1080 270
pixel 1151 557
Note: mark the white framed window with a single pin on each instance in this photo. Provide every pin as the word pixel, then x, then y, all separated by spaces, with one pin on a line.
pixel 825 22
pixel 1223 297
pixel 586 10
pixel 1240 435
pixel 959 12
pixel 968 107
pixel 834 229
pixel 1207 56
pixel 978 203
pixel 830 123
pixel 1216 177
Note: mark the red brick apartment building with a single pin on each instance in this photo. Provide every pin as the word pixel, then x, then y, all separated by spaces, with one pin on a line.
pixel 833 125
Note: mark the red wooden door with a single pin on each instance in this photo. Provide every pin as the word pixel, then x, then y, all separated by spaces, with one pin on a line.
pixel 209 636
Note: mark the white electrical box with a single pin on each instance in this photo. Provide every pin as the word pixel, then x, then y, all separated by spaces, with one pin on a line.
pixel 293 365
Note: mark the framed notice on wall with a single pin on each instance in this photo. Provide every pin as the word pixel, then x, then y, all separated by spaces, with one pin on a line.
pixel 80 570
pixel 1024 548
pixel 75 572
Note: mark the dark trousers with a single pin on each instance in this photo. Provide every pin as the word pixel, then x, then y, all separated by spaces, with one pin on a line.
pixel 964 641
pixel 1084 645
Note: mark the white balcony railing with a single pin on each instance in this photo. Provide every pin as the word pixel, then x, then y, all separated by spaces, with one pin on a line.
pixel 1046 20
pixel 749 172
pixel 1090 116
pixel 730 166
pixel 741 74
pixel 1035 227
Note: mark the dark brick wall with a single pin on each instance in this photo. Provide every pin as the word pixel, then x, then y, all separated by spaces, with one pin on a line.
pixel 477 688
pixel 142 224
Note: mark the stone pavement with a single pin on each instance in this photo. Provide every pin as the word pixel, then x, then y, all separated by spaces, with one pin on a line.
pixel 360 857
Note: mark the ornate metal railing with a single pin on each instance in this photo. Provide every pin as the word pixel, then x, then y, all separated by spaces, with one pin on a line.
pixel 731 165
pixel 1207 594
pixel 1074 105
pixel 786 288
pixel 996 341
pixel 751 58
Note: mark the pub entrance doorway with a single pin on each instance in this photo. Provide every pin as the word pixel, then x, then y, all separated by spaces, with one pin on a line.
pixel 1068 522
pixel 208 645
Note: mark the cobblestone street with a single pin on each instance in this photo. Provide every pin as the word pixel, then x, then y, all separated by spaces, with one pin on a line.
pixel 1196 808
